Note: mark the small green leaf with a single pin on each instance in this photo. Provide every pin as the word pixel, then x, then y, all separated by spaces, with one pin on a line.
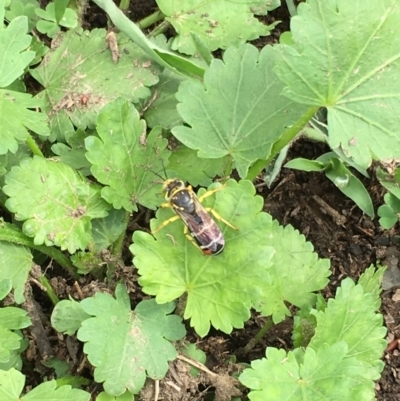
pixel 124 158
pixel 306 165
pixel 67 316
pixel 16 264
pixel 56 202
pixel 141 340
pixel 16 119
pixel 60 7
pixel 232 113
pixel 13 55
pixel 350 185
pixel 23 7
pixel 390 212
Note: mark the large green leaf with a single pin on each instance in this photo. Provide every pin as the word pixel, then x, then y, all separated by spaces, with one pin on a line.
pixel 80 77
pixel 232 113
pixel 124 159
pixel 56 202
pixel 350 65
pixel 217 23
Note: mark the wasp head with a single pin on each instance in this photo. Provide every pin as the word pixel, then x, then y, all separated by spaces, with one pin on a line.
pixel 171 186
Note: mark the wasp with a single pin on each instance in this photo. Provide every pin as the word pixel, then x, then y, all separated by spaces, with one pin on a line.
pixel 204 231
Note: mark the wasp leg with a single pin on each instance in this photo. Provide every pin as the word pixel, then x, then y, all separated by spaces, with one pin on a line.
pixel 220 218
pixel 210 192
pixel 191 239
pixel 165 223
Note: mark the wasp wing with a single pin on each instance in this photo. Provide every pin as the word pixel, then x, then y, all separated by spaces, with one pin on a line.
pixel 203 228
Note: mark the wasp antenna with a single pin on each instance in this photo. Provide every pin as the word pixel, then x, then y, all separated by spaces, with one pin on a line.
pixel 165 171
pixel 158 175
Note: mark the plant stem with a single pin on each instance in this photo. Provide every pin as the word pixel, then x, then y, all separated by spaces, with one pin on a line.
pixel 124 4
pixel 254 341
pixel 288 135
pixel 160 28
pixel 150 20
pixel 33 146
pixel 291 7
pixel 49 290
pixel 12 234
pixel 76 381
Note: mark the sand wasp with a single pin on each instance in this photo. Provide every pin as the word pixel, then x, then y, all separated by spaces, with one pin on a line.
pixel 204 231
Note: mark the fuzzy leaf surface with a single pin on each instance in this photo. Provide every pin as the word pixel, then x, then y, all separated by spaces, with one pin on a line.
pixel 323 375
pixel 16 119
pixel 219 288
pixel 16 262
pixel 124 159
pixel 295 274
pixel 55 203
pixel 352 317
pixel 81 67
pixel 232 112
pixel 140 343
pixel 218 23
pixel 12 383
pixel 353 73
pixel 14 57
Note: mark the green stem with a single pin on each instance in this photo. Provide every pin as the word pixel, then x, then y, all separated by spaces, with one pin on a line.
pixel 255 340
pixel 12 234
pixel 160 28
pixel 33 146
pixel 291 7
pixel 116 249
pixel 124 4
pixel 288 135
pixel 150 20
pixel 49 290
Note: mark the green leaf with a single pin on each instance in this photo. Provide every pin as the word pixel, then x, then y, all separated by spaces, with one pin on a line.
pixel 56 202
pixel 389 181
pixel 127 396
pixel 12 383
pixel 232 113
pixel 5 287
pixel 11 319
pixel 217 23
pixel 325 374
pixel 50 25
pixel 107 230
pixel 124 159
pixel 219 288
pixel 81 67
pixel 295 274
pixel 352 317
pixel 60 7
pixel 353 73
pixel 162 111
pixel 16 264
pixel 141 340
pixel 195 353
pixel 390 212
pixel 350 185
pixel 16 119
pixel 371 281
pixel 157 53
pixel 306 165
pixel 13 55
pixel 67 316
pixel 185 164
pixel 23 7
